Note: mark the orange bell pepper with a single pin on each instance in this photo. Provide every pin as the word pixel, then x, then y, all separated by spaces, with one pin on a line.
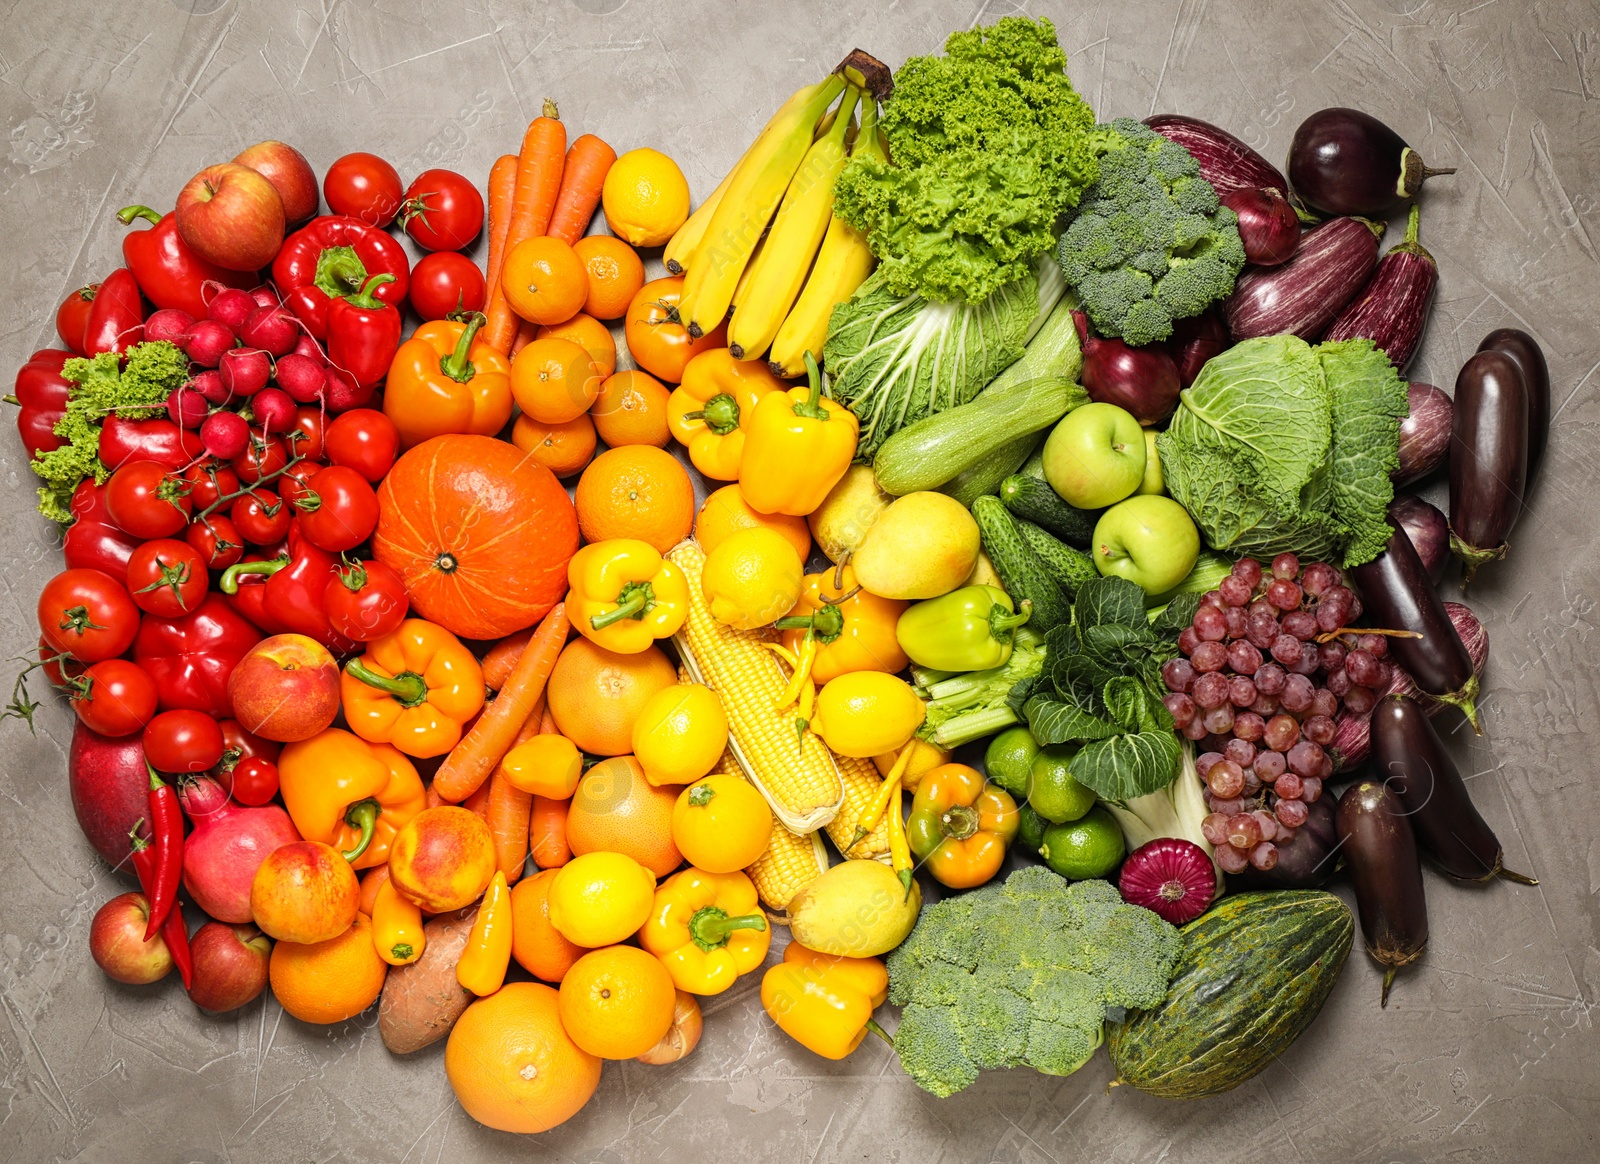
pixel 484 962
pixel 960 825
pixel 854 630
pixel 414 688
pixel 446 380
pixel 710 411
pixel 350 794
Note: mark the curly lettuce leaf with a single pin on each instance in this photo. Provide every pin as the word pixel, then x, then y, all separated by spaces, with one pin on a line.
pixel 1369 402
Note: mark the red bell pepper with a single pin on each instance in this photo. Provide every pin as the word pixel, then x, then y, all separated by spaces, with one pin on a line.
pixel 364 333
pixel 168 270
pixel 291 598
pixel 191 657
pixel 42 392
pixel 73 316
pixel 93 540
pixel 148 440
pixel 116 317
pixel 332 257
pixel 249 596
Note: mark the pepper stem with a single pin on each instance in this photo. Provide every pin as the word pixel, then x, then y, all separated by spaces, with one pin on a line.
pixel 812 406
pixel 826 622
pixel 1002 622
pixel 230 577
pixel 872 1025
pixel 711 927
pixel 959 821
pixel 364 297
pixel 156 783
pixel 633 601
pixel 408 688
pixel 456 365
pixel 128 213
pixel 363 814
pixel 721 414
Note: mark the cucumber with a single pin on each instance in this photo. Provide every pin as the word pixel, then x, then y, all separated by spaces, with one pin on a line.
pixel 1071 568
pixel 1256 969
pixel 1034 465
pixel 987 475
pixel 1023 574
pixel 1032 499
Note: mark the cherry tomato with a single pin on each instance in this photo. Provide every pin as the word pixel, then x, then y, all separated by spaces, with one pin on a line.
pixel 217 539
pixel 253 781
pixel 339 510
pixel 57 668
pixel 115 698
pixel 148 500
pixel 657 344
pixel 363 186
pixel 261 458
pixel 365 601
pixel 182 741
pixel 89 614
pixel 292 485
pixel 444 282
pixel 262 517
pixel 209 480
pixel 442 211
pixel 242 744
pixel 310 421
pixel 72 317
pixel 365 440
pixel 167 578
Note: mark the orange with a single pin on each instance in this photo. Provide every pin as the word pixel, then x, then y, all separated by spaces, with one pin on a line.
pixel 595 695
pixel 615 274
pixel 555 380
pixel 589 334
pixel 617 1002
pixel 513 1066
pixel 330 981
pixel 636 491
pixel 632 410
pixel 544 279
pixel 726 511
pixel 616 810
pixel 659 344
pixel 539 948
pixel 563 448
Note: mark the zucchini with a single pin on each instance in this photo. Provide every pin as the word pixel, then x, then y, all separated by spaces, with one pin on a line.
pixel 1034 465
pixel 1032 499
pixel 986 476
pixel 1256 969
pixel 1071 568
pixel 1023 574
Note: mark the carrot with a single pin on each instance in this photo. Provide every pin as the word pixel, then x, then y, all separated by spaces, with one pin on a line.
pixel 539 165
pixel 510 807
pixel 525 335
pixel 587 163
pixel 547 724
pixel 547 833
pixel 467 768
pixel 502 658
pixel 502 188
pixel 478 802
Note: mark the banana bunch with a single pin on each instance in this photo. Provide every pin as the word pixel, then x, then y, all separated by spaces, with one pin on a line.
pixel 766 244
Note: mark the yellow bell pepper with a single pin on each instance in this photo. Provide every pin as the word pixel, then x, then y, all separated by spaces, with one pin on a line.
pixel 707 929
pixel 350 794
pixel 796 448
pixel 854 630
pixel 548 766
pixel 447 379
pixel 823 1002
pixel 484 962
pixel 709 412
pixel 414 688
pixel 625 596
pixel 397 930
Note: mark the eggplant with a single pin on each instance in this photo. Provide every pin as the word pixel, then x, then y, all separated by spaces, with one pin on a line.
pixel 1397 594
pixel 1427 529
pixel 1380 852
pixel 1329 268
pixel 1307 861
pixel 1424 433
pixel 1343 161
pixel 1488 458
pixel 1392 309
pixel 1409 757
pixel 1225 161
pixel 1529 358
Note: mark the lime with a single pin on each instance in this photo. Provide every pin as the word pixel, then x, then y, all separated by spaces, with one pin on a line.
pixel 1052 791
pixel 1084 849
pixel 1008 758
pixel 1030 829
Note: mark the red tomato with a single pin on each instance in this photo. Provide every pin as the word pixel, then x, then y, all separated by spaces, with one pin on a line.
pixel 182 741
pixel 148 500
pixel 116 698
pixel 88 614
pixel 309 421
pixel 292 485
pixel 167 577
pixel 72 317
pixel 442 211
pixel 363 186
pixel 209 480
pixel 253 781
pixel 217 539
pixel 58 668
pixel 339 510
pixel 261 458
pixel 365 440
pixel 242 744
pixel 446 282
pixel 365 601
pixel 261 517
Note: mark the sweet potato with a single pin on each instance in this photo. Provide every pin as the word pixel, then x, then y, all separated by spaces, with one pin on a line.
pixel 423 1000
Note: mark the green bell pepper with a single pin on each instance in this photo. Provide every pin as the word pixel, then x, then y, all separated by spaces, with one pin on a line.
pixel 966 630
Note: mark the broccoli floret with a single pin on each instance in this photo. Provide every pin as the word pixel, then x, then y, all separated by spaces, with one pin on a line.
pixel 994 1027
pixel 929 1046
pixel 1058 1050
pixel 1150 242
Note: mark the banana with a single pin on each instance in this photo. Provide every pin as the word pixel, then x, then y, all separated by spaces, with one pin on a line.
pixel 748 204
pixel 842 265
pixel 791 245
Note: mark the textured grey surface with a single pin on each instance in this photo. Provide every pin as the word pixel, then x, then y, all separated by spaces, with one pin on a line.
pixel 1487 1051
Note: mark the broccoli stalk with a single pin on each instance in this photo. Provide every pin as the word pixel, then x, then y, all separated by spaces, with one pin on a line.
pixel 967 706
pixel 1173 811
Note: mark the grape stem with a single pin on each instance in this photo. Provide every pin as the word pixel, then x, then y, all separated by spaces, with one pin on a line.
pixel 1367 630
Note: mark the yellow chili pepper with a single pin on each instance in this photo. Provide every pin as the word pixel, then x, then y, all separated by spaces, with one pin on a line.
pixel 484 962
pixel 823 1002
pixel 854 630
pixel 625 596
pixel 350 794
pixel 545 766
pixel 796 448
pixel 397 927
pixel 707 929
pixel 445 379
pixel 899 848
pixel 414 688
pixel 709 412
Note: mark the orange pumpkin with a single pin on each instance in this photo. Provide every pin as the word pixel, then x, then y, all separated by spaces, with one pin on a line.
pixel 480 532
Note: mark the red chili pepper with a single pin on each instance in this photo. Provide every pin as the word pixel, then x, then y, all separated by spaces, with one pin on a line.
pixel 116 317
pixel 332 257
pixel 191 657
pixel 292 596
pixel 174 930
pixel 166 823
pixel 93 540
pixel 72 317
pixel 147 440
pixel 364 333
pixel 42 392
pixel 168 270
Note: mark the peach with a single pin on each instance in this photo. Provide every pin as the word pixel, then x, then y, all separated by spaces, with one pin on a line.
pixel 443 858
pixel 286 688
pixel 305 892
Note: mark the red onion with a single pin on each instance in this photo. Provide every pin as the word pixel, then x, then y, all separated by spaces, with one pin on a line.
pixel 1424 433
pixel 231 307
pixel 273 329
pixel 225 435
pixel 168 324
pixel 207 341
pixel 1428 530
pixel 1225 161
pixel 1194 341
pixel 245 371
pixel 1268 225
pixel 1142 380
pixel 1170 877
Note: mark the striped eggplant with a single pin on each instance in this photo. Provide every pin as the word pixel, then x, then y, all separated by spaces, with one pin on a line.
pixel 1488 458
pixel 1424 433
pixel 1524 349
pixel 1392 308
pixel 1303 296
pixel 1225 161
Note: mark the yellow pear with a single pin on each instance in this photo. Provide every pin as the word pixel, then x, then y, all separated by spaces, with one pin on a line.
pixel 922 546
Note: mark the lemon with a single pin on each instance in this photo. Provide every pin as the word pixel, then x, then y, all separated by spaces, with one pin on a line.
pixel 867 713
pixel 646 198
pixel 680 734
pixel 600 899
pixel 752 578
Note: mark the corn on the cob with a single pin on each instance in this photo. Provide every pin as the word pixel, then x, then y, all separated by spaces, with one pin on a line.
pixel 791 862
pixel 727 765
pixel 792 767
pixel 862 784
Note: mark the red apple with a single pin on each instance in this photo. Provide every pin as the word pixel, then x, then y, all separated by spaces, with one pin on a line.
pixel 230 965
pixel 286 688
pixel 232 216
pixel 117 945
pixel 289 172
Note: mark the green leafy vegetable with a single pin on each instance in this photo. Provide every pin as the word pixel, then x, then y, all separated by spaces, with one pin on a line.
pixel 967 706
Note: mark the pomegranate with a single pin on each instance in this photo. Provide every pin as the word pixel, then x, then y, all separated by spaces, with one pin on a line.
pixel 229 842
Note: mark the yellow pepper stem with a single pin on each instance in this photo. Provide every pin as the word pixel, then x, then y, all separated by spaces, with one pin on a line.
pixel 872 1025
pixel 812 407
pixel 721 414
pixel 456 365
pixel 408 688
pixel 959 821
pixel 710 927
pixel 363 814
pixel 633 601
pixel 826 622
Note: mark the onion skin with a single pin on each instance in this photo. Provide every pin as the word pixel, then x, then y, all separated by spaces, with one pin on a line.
pixel 1427 529
pixel 1302 297
pixel 1268 225
pixel 1424 433
pixel 1392 309
pixel 1144 381
pixel 1344 161
pixel 1488 458
pixel 1196 340
pixel 1524 350
pixel 1380 851
pixel 1225 161
pixel 1171 877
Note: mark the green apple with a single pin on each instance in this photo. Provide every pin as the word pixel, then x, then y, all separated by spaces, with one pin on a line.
pixel 1148 540
pixel 1095 456
pixel 1153 482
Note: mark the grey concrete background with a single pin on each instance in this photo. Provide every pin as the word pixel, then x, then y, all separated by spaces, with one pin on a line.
pixel 1487 1051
